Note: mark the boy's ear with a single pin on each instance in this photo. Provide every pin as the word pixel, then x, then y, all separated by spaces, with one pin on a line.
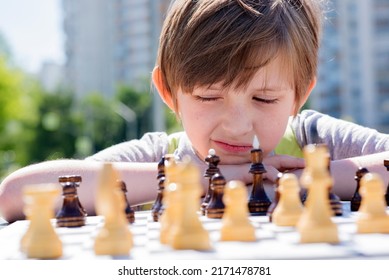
pixel 306 95
pixel 162 90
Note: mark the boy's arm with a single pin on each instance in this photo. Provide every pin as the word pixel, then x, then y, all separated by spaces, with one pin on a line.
pixel 139 177
pixel 343 172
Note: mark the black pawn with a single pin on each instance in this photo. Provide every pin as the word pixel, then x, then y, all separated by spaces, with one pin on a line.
pixel 386 164
pixel 156 210
pixel 72 214
pixel 215 207
pixel 212 161
pixel 335 202
pixel 130 213
pixel 259 202
pixel 277 196
pixel 355 201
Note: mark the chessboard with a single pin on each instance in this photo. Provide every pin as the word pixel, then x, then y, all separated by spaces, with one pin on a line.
pixel 272 242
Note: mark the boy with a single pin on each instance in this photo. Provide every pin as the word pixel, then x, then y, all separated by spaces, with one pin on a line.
pixel 229 69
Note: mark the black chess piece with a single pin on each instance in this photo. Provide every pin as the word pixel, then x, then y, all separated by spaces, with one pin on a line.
pixel 130 213
pixel 72 214
pixel 212 161
pixel 356 199
pixel 386 164
pixel 157 208
pixel 215 207
pixel 277 196
pixel 259 202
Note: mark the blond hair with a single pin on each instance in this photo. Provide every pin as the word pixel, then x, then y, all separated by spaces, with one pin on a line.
pixel 205 42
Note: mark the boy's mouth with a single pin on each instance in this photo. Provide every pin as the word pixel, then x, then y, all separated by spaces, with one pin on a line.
pixel 232 147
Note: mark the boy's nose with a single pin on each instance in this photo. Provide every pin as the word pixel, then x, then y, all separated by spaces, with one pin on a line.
pixel 237 121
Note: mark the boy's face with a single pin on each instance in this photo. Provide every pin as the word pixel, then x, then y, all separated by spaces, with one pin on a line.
pixel 227 119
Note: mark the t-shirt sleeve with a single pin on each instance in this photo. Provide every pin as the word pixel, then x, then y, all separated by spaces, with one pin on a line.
pixel 150 148
pixel 343 138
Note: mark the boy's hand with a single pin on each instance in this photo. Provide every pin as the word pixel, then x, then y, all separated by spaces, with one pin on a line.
pixel 281 163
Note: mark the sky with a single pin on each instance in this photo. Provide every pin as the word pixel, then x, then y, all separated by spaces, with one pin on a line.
pixel 33 31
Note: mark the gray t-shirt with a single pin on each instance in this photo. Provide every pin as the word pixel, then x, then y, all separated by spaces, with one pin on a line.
pixel 344 140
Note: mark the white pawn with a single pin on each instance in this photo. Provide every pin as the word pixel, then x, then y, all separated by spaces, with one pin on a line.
pixel 372 216
pixel 236 225
pixel 289 207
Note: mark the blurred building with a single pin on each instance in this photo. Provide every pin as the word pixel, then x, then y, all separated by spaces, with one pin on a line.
pixel 108 43
pixel 353 76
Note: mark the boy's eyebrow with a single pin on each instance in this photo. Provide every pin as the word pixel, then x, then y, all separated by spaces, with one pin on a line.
pixel 272 88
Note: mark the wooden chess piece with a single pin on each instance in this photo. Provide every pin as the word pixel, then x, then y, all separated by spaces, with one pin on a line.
pixel 41 240
pixel 315 224
pixel 356 199
pixel 188 232
pixel 335 202
pixel 289 208
pixel 236 225
pixel 274 203
pixel 259 202
pixel 129 212
pixel 372 216
pixel 114 238
pixel 170 201
pixel 386 164
pixel 212 161
pixel 156 210
pixel 215 207
pixel 72 214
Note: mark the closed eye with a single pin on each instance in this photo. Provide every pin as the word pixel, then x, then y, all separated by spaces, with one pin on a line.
pixel 266 101
pixel 205 99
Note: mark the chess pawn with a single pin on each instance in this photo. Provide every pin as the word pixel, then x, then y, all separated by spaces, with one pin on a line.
pixel 273 205
pixel 236 225
pixel 156 210
pixel 114 238
pixel 72 214
pixel 170 201
pixel 40 240
pixel 188 232
pixel 259 202
pixel 129 212
pixel 215 207
pixel 212 161
pixel 315 224
pixel 289 208
pixel 372 216
pixel 355 202
pixel 336 204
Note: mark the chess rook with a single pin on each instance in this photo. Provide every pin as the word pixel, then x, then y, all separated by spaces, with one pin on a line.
pixel 212 161
pixel 259 202
pixel 72 214
pixel 40 240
